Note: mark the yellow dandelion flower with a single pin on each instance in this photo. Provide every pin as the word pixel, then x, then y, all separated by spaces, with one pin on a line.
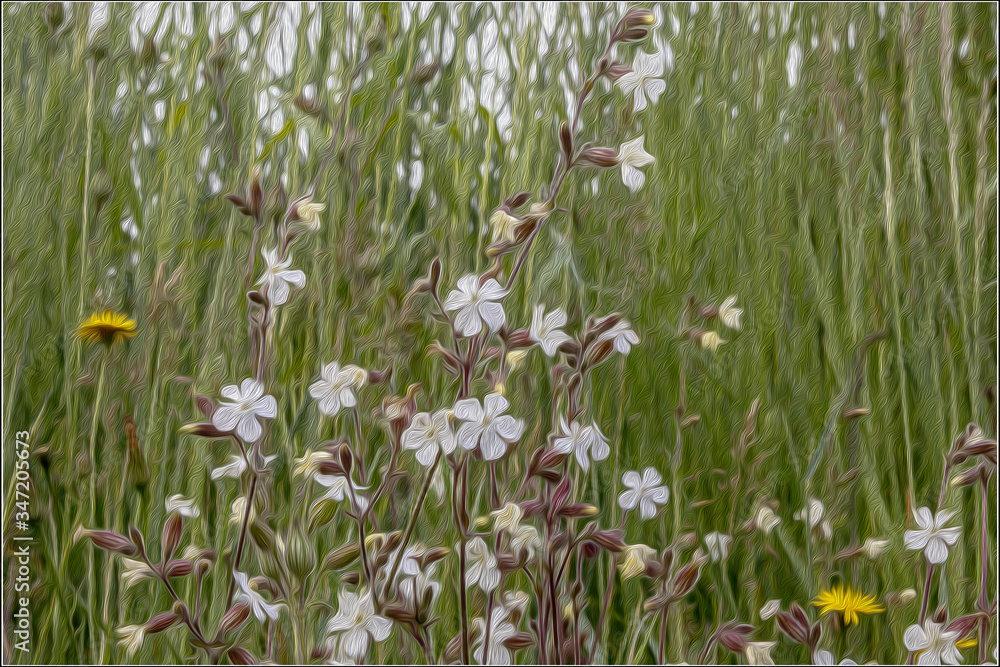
pixel 849 603
pixel 107 327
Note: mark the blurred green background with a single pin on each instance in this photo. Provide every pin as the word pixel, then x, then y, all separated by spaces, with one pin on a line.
pixel 832 165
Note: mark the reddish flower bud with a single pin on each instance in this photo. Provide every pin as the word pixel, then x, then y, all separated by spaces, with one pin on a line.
pixel 107 540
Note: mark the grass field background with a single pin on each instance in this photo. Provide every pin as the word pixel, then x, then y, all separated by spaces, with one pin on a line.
pixel 832 165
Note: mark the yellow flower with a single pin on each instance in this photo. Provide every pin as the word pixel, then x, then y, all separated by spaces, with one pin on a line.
pixel 107 327
pixel 849 603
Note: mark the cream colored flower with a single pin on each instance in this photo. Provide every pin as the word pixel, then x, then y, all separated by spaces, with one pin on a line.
pixel 717 545
pixel 183 506
pixel 135 571
pixel 711 341
pixel 759 653
pixel 766 520
pixel 729 314
pixel 769 609
pixel 336 386
pixel 504 226
pixel 507 518
pixel 308 464
pixel 309 213
pixel 633 560
pixel 632 156
pixel 131 637
pixel 874 548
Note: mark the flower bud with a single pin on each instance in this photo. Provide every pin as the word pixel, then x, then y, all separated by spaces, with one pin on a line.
pixel 631 35
pixel 262 535
pixel 107 540
pixel 234 618
pixel 734 636
pixel 53 15
pixel 342 557
pixel 178 568
pixel 205 430
pixel 160 622
pixel 300 554
pixel 171 536
pixel 598 157
pixel 240 656
pixel 616 71
pixel 980 471
pixel 612 540
pixel 637 17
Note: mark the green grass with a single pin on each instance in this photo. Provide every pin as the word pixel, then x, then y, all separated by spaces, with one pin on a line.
pixel 861 201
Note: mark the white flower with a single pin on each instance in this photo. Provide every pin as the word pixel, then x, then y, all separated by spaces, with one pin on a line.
pixel 581 439
pixel 236 467
pixel 729 314
pixel 759 653
pixel 131 636
pixel 339 488
pixel 486 426
pixel 622 336
pixel 336 386
pixel 308 464
pixel 935 644
pixel 644 491
pixel 812 513
pixel 826 658
pixel 507 518
pixel 766 520
pixel 500 631
pixel 428 434
pixel 277 277
pixel 135 571
pixel 476 304
pixel 771 608
pixel 874 548
pixel 261 608
pixel 631 156
pixel 359 624
pixel 633 560
pixel 717 545
pixel 545 329
pixel 183 506
pixel 642 81
pixel 933 537
pixel 481 565
pixel 246 404
pixel 525 538
pixel 238 509
pixel 413 579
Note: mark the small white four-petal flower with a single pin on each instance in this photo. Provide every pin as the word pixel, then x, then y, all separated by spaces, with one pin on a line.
pixel 277 277
pixel 643 491
pixel 934 537
pixel 336 386
pixel 546 329
pixel 247 403
pixel 643 81
pixel 486 426
pixel 476 304
pixel 621 336
pixel 632 156
pixel 481 565
pixel 429 434
pixel 585 441
pixel 183 506
pixel 935 644
pixel 357 623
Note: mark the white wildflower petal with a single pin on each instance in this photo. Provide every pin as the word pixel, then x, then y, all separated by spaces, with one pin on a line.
pixel 183 506
pixel 632 156
pixel 247 404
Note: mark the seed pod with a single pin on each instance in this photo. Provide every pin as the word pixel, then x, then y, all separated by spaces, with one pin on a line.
pixel 171 536
pixel 342 557
pixel 262 535
pixel 204 430
pixel 631 35
pixel 794 624
pixel 234 618
pixel 240 656
pixel 566 140
pixel 518 641
pixel 300 554
pixel 598 157
pixel 160 622
pixel 964 624
pixel 178 568
pixel 107 540
pixel 637 17
pixel 733 636
pixel 612 540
